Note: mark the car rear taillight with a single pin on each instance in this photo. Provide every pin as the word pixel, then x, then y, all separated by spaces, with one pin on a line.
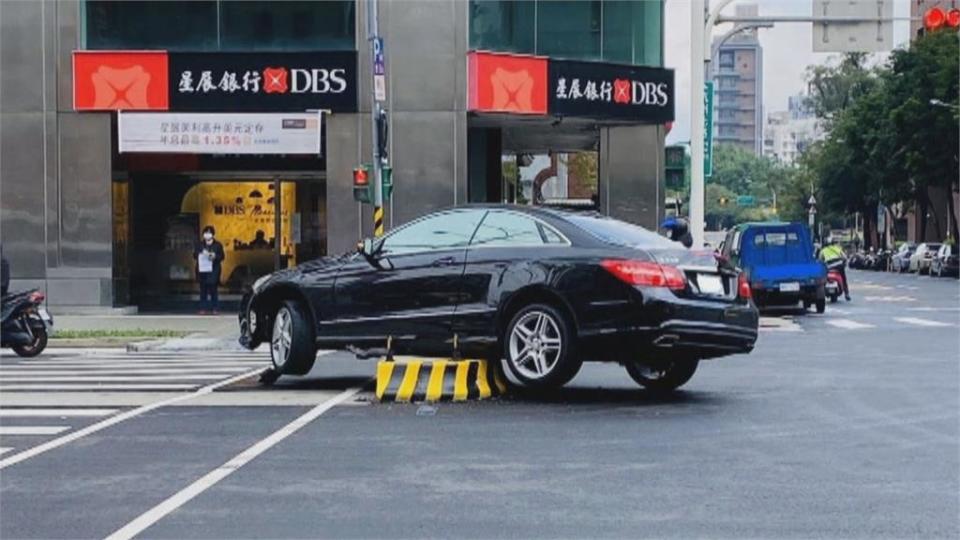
pixel 743 287
pixel 36 297
pixel 647 274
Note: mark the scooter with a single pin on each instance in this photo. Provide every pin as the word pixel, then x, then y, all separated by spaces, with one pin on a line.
pixel 834 286
pixel 26 325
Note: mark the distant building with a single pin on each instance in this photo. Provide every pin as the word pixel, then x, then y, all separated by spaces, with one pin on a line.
pixel 787 134
pixel 738 86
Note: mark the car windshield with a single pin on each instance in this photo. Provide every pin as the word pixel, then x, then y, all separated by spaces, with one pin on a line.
pixel 614 231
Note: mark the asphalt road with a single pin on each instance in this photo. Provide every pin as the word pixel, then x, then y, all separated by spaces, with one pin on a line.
pixel 841 425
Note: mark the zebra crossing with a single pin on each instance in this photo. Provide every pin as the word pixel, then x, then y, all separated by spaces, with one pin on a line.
pixel 848 320
pixel 66 390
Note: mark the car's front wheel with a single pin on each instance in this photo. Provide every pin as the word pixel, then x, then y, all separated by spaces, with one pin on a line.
pixel 292 349
pixel 662 377
pixel 539 347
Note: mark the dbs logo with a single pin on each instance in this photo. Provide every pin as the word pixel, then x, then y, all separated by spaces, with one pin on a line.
pixel 120 80
pixel 275 80
pixel 621 91
pixel 507 83
pixel 120 88
pixel 512 90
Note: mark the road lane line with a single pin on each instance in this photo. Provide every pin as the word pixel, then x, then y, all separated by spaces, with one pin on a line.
pixel 55 412
pixel 109 386
pixel 5 449
pixel 113 420
pixel 847 324
pixel 91 372
pixel 207 481
pixel 919 322
pixel 109 378
pixel 32 430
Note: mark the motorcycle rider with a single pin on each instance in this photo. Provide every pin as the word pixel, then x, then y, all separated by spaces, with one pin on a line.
pixel 678 230
pixel 832 254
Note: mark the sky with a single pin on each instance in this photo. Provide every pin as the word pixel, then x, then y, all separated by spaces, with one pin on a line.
pixel 787 51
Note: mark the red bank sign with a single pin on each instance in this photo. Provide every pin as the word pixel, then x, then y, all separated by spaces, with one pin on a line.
pixel 507 83
pixel 121 80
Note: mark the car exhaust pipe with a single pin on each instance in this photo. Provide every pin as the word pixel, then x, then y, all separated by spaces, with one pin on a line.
pixel 666 340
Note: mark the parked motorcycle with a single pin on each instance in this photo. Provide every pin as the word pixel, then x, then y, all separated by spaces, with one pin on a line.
pixel 834 286
pixel 26 324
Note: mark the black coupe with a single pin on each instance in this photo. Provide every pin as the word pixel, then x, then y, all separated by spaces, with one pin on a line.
pixel 544 289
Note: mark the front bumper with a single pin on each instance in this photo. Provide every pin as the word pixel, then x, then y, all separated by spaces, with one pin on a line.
pixel 248 338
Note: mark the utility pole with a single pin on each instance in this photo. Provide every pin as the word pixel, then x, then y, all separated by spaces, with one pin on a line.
pixel 697 131
pixel 378 118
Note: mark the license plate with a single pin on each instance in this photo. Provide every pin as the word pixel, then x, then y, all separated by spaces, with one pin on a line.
pixel 710 284
pixel 44 314
pixel 790 287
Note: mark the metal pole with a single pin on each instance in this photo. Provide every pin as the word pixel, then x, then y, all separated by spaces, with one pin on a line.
pixel 373 35
pixel 697 38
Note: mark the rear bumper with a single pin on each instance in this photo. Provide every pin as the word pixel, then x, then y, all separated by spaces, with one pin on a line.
pixel 675 327
pixel 773 296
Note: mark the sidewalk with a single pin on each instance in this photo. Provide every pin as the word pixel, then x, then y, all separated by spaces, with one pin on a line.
pixel 203 332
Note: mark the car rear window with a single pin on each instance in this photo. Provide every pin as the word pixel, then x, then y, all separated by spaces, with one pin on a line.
pixel 621 233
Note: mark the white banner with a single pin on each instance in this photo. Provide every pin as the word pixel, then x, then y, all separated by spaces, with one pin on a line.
pixel 219 133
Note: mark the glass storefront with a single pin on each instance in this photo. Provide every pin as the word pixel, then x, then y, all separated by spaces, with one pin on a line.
pixel 264 224
pixel 219 25
pixel 623 31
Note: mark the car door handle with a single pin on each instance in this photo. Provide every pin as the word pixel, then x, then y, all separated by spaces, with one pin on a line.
pixel 444 261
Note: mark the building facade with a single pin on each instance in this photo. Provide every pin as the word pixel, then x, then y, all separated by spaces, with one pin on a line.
pixel 789 133
pixel 100 210
pixel 738 88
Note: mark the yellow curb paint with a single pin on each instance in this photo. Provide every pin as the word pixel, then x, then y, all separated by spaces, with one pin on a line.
pixel 435 385
pixel 498 380
pixel 409 383
pixel 482 380
pixel 384 371
pixel 460 384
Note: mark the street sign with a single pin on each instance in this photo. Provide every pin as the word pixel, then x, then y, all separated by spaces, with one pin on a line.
pixel 746 200
pixel 379 67
pixel 708 128
pixel 868 36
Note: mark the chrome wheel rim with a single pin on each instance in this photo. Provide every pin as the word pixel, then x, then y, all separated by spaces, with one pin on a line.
pixel 535 345
pixel 282 337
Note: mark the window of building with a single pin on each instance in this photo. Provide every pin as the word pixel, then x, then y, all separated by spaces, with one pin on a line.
pixel 726 59
pixel 623 31
pixel 213 25
pixel 503 25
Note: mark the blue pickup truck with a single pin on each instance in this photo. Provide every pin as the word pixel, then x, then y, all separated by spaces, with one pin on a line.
pixel 778 260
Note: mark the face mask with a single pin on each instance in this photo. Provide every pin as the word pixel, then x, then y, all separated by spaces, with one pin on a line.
pixel 207 236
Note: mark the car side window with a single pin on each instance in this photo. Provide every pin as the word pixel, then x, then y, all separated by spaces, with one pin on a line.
pixel 442 231
pixel 510 229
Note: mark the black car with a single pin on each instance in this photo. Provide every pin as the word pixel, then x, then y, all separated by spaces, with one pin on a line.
pixel 946 262
pixel 545 289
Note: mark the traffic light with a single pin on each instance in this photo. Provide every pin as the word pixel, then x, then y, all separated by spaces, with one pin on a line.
pixel 675 166
pixel 936 18
pixel 386 176
pixel 362 184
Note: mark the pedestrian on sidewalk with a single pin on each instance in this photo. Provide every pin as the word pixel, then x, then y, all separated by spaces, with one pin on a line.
pixel 209 256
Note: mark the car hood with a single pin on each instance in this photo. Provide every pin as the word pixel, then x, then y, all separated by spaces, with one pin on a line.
pixel 315 267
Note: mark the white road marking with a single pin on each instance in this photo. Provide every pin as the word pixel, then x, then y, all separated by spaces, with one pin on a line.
pixel 933 309
pixel 890 299
pixel 142 363
pixel 110 386
pixel 32 430
pixel 847 324
pixel 779 324
pixel 116 419
pixel 110 378
pixel 5 449
pixel 55 412
pixel 204 483
pixel 873 286
pixel 919 322
pixel 113 371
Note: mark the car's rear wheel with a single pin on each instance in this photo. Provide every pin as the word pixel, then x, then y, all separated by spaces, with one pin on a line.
pixel 540 348
pixel 292 349
pixel 662 377
pixel 821 305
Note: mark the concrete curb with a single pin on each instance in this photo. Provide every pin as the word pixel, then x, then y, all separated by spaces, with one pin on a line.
pixel 193 343
pixel 438 379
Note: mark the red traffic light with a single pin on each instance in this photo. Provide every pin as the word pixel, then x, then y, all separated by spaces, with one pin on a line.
pixel 360 176
pixel 953 18
pixel 934 18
